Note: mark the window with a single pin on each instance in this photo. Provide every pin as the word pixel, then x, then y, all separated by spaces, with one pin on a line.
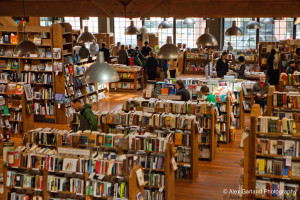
pixel 92 23
pixel 298 31
pixel 74 21
pixel 280 30
pixel 189 33
pixel 245 41
pixel 45 21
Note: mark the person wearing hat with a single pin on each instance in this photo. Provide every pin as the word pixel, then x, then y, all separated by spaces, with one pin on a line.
pixel 291 67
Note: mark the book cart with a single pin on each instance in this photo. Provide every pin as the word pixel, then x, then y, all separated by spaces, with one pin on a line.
pixel 69 146
pixel 269 163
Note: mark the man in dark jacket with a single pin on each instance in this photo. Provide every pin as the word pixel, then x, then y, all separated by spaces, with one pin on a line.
pixel 151 67
pixel 146 49
pixel 137 50
pixel 88 120
pixel 182 91
pixel 222 65
pixel 260 91
pixel 106 52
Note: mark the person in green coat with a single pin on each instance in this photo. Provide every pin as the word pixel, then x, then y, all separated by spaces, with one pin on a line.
pixel 88 121
pixel 210 97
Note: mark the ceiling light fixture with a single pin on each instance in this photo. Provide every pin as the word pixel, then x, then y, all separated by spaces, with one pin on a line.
pixel 164 24
pixel 234 30
pixel 132 29
pixel 86 36
pixel 206 39
pixel 169 50
pixel 25 47
pixel 253 24
pixel 268 21
pixel 100 71
pixel 189 21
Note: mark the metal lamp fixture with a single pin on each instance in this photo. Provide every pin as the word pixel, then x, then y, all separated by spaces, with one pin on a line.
pixel 234 30
pixel 268 21
pixel 100 72
pixel 164 24
pixel 297 21
pixel 169 50
pixel 143 30
pixel 25 47
pixel 189 21
pixel 206 39
pixel 86 36
pixel 253 24
pixel 132 30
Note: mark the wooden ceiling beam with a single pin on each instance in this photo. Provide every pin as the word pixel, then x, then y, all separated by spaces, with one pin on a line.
pixel 7 21
pixel 154 8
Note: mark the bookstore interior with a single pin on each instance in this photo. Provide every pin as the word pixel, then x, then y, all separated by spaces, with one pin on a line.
pixel 158 100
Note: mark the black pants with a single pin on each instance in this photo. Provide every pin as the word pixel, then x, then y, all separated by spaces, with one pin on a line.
pixel 173 73
pixel 151 76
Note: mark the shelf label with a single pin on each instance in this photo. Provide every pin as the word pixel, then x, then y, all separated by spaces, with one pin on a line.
pixel 148 109
pixel 170 97
pixel 81 152
pixel 186 165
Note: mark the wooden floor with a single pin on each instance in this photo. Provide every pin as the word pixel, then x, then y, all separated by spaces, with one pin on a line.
pixel 213 177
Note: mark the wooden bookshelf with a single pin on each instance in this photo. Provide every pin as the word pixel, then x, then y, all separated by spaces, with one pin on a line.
pixel 228 120
pixel 197 61
pixel 240 116
pixel 263 54
pixel 136 78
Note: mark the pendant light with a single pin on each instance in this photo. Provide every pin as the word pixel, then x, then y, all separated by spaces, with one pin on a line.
pixel 206 39
pixel 25 47
pixel 100 71
pixel 297 21
pixel 143 30
pixel 234 30
pixel 253 24
pixel 169 50
pixel 132 29
pixel 86 36
pixel 268 21
pixel 189 21
pixel 164 24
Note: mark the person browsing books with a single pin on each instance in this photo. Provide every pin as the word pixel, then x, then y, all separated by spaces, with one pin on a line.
pixel 260 91
pixel 222 65
pixel 151 67
pixel 88 120
pixel 182 91
pixel 291 67
pixel 210 97
pixel 106 52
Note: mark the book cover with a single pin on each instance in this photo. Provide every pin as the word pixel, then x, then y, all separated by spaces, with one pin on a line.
pixel 56 53
pixel 109 141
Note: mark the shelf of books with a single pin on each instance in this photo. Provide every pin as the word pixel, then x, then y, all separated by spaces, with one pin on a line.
pixel 224 106
pixel 106 157
pixel 272 157
pixel 195 61
pixel 238 108
pixel 289 82
pixel 182 133
pixel 131 79
pixel 247 96
pixel 264 51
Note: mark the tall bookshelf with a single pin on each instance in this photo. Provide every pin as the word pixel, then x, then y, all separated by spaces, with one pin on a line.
pixel 264 49
pixel 195 63
pixel 258 172
pixel 238 108
pixel 224 120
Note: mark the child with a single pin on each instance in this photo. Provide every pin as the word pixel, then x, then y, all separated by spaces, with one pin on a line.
pixel 210 97
pixel 291 67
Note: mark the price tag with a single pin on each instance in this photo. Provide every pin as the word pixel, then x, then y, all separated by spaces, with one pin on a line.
pixel 288 161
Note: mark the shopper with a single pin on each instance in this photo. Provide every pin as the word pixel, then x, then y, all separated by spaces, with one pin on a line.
pixel 229 47
pixel 123 56
pixel 83 52
pixel 88 120
pixel 240 69
pixel 182 91
pixel 272 71
pixel 297 59
pixel 163 63
pixel 172 67
pixel 106 52
pixel 260 91
pixel 146 49
pixel 210 97
pixel 130 51
pixel 222 65
pixel 291 67
pixel 137 61
pixel 151 67
pixel 137 49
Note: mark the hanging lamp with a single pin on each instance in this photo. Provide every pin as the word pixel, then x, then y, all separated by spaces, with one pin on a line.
pixel 234 30
pixel 164 24
pixel 25 47
pixel 132 29
pixel 86 36
pixel 253 24
pixel 169 50
pixel 297 21
pixel 143 30
pixel 206 39
pixel 189 21
pixel 268 21
pixel 100 71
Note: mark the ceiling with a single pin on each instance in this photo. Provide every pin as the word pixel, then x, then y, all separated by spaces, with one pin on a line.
pixel 151 8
